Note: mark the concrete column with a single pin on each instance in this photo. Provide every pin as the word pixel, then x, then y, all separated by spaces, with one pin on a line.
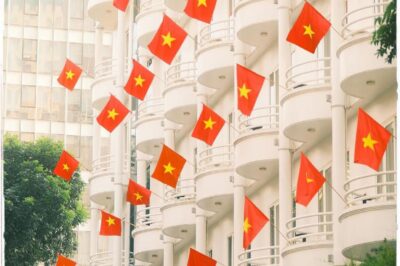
pixel 338 9
pixel 141 165
pixel 98 48
pixel 94 230
pixel 285 156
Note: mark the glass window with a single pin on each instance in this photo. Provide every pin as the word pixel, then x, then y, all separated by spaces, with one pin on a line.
pixel 230 251
pixel 76 53
pixel 13 96
pixel 29 55
pixel 16 14
pixel 73 145
pixel 30 12
pixel 46 13
pixel 14 56
pixel 59 54
pixel 86 152
pixel 86 107
pixel 88 22
pixel 58 104
pixel 60 14
pixel 274 231
pixel 76 18
pixel 44 62
pixel 88 59
pixel 28 96
pixel 74 106
pixel 43 105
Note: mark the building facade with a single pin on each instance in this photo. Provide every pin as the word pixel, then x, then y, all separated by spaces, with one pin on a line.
pixel 308 104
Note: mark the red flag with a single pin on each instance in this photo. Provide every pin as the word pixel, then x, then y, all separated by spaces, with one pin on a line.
pixel 121 4
pixel 69 75
pixel 309 28
pixel 169 167
pixel 198 259
pixel 66 166
pixel 137 195
pixel 139 81
pixel 110 225
pixel 371 141
pixel 167 40
pixel 113 114
pixel 208 126
pixel 249 87
pixel 200 9
pixel 64 261
pixel 254 221
pixel 309 181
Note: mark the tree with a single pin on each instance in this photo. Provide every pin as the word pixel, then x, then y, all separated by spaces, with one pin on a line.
pixel 384 255
pixel 385 35
pixel 41 209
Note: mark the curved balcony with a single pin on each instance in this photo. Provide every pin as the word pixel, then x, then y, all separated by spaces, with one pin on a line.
pixel 178 215
pixel 104 81
pixel 261 129
pixel 181 84
pixel 106 259
pixel 104 12
pixel 260 256
pixel 307 107
pixel 362 73
pixel 147 235
pixel 371 204
pixel 148 20
pixel 256 21
pixel 214 54
pixel 149 126
pixel 176 5
pixel 214 178
pixel 102 179
pixel 310 240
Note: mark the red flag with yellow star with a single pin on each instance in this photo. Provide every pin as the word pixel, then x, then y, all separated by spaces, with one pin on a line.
pixel 66 166
pixel 208 126
pixel 121 4
pixel 202 10
pixel 371 141
pixel 167 40
pixel 199 259
pixel 69 75
pixel 64 261
pixel 137 195
pixel 113 114
pixel 254 221
pixel 110 225
pixel 139 81
pixel 169 167
pixel 309 28
pixel 249 87
pixel 309 182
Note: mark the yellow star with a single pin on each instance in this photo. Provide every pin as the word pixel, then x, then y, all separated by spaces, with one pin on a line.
pixel 110 221
pixel 308 31
pixel 112 114
pixel 65 167
pixel 244 91
pixel 70 74
pixel 138 196
pixel 246 225
pixel 168 168
pixel 309 180
pixel 139 81
pixel 369 142
pixel 168 39
pixel 209 123
pixel 201 3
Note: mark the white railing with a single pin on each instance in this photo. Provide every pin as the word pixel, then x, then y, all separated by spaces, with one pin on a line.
pixel 148 216
pixel 180 72
pixel 151 107
pixel 216 32
pixel 261 118
pixel 362 20
pixel 105 165
pixel 108 67
pixel 106 258
pixel 310 228
pixel 260 256
pixel 215 157
pixel 371 189
pixel 146 5
pixel 185 190
pixel 309 73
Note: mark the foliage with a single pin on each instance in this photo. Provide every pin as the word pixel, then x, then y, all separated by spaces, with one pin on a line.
pixel 385 34
pixel 384 255
pixel 41 209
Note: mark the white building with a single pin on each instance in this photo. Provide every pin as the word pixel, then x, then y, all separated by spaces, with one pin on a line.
pixel 308 104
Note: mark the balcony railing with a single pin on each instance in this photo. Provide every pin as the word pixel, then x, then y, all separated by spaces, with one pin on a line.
pixel 185 190
pixel 309 73
pixel 261 118
pixel 215 157
pixel 216 32
pixel 180 72
pixel 311 228
pixel 108 67
pixel 106 258
pixel 147 217
pixel 371 189
pixel 105 165
pixel 146 5
pixel 260 256
pixel 151 107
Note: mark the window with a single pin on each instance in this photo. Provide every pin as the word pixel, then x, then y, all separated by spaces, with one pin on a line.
pixel 46 13
pixel 16 14
pixel 44 62
pixel 86 107
pixel 60 14
pixel 14 56
pixel 230 251
pixel 58 104
pixel 274 88
pixel 43 105
pixel 28 96
pixel 388 166
pixel 325 202
pixel 30 12
pixel 13 96
pixel 86 152
pixel 59 54
pixel 73 145
pixel 148 183
pixel 74 106
pixel 274 230
pixel 76 53
pixel 29 50
pixel 88 59
pixel 76 18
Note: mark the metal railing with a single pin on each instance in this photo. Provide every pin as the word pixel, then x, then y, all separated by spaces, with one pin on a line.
pixel 108 67
pixel 261 118
pixel 180 72
pixel 362 20
pixel 185 190
pixel 215 157
pixel 309 73
pixel 106 258
pixel 216 32
pixel 148 216
pixel 105 165
pixel 371 189
pixel 260 256
pixel 146 5
pixel 310 228
pixel 151 107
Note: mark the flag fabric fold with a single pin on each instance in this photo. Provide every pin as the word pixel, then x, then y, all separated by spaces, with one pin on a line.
pixel 208 125
pixel 198 259
pixel 254 221
pixel 69 75
pixel 112 114
pixel 202 10
pixel 64 261
pixel 249 86
pixel 121 4
pixel 169 167
pixel 110 225
pixel 137 194
pixel 139 81
pixel 66 166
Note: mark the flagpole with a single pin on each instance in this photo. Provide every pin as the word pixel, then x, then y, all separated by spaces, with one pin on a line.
pixel 337 193
pixel 237 131
pixel 279 231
